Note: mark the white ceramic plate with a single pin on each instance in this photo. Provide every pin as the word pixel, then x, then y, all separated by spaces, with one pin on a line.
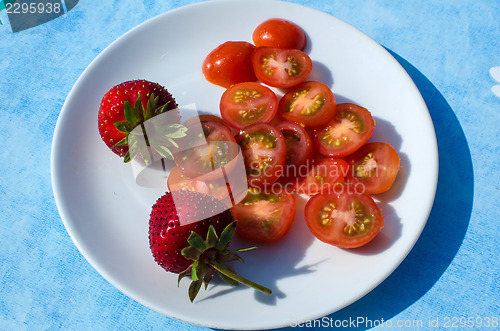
pixel 106 213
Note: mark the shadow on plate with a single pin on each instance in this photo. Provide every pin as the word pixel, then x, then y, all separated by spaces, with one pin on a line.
pixel 447 223
pixel 269 263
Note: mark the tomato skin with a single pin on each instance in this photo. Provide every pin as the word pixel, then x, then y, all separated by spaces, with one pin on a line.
pixel 323 177
pixel 281 33
pixel 311 104
pixel 350 129
pixel 375 165
pixel 279 67
pixel 270 153
pixel 298 143
pixel 264 217
pixel 332 217
pixel 247 103
pixel 229 63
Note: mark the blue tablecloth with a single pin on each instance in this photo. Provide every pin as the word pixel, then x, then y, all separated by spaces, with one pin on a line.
pixel 449 48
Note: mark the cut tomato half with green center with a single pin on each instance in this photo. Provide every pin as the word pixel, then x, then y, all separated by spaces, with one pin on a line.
pixel 247 103
pixel 264 153
pixel 311 104
pixel 208 146
pixel 375 165
pixel 350 129
pixel 346 220
pixel 281 67
pixel 264 217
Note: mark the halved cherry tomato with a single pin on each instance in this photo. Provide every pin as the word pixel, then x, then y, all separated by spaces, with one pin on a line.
pixel 217 188
pixel 264 152
pixel 280 67
pixel 264 217
pixel 311 104
pixel 299 148
pixel 281 33
pixel 375 165
pixel 350 129
pixel 229 63
pixel 247 103
pixel 347 219
pixel 323 177
pixel 207 147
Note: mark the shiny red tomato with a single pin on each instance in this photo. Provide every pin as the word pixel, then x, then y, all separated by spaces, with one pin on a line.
pixel 311 104
pixel 281 33
pixel 346 220
pixel 323 177
pixel 264 153
pixel 350 129
pixel 264 217
pixel 229 63
pixel 247 103
pixel 207 146
pixel 375 165
pixel 299 148
pixel 280 67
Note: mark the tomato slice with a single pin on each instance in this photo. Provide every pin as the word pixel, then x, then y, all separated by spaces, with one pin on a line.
pixel 277 32
pixel 299 148
pixel 217 188
pixel 375 165
pixel 206 149
pixel 280 67
pixel 323 177
pixel 247 103
pixel 229 63
pixel 264 217
pixel 311 104
pixel 350 129
pixel 346 220
pixel 264 153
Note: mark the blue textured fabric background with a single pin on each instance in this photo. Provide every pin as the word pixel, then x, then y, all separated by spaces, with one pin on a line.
pixel 448 48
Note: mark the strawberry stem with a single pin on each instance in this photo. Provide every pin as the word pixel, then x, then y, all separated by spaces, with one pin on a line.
pixel 228 273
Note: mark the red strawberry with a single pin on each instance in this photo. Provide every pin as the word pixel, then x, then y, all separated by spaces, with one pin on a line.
pixel 178 223
pixel 127 105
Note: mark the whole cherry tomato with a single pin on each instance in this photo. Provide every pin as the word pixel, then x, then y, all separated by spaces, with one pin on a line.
pixel 229 63
pixel 281 33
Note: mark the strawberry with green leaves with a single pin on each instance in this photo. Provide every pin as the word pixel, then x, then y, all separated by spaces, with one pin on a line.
pixel 123 115
pixel 189 234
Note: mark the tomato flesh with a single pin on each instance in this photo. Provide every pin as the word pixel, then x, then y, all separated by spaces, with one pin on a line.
pixel 311 104
pixel 351 127
pixel 299 147
pixel 346 220
pixel 323 177
pixel 206 149
pixel 279 67
pixel 247 103
pixel 264 217
pixel 229 63
pixel 375 165
pixel 264 153
pixel 281 33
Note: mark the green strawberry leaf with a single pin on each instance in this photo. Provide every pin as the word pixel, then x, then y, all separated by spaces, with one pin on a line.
pixel 194 288
pixel 183 274
pixel 190 253
pixel 196 241
pixel 128 112
pixel 194 275
pixel 139 109
pixel 226 236
pixel 212 237
pixel 123 126
pixel 123 142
